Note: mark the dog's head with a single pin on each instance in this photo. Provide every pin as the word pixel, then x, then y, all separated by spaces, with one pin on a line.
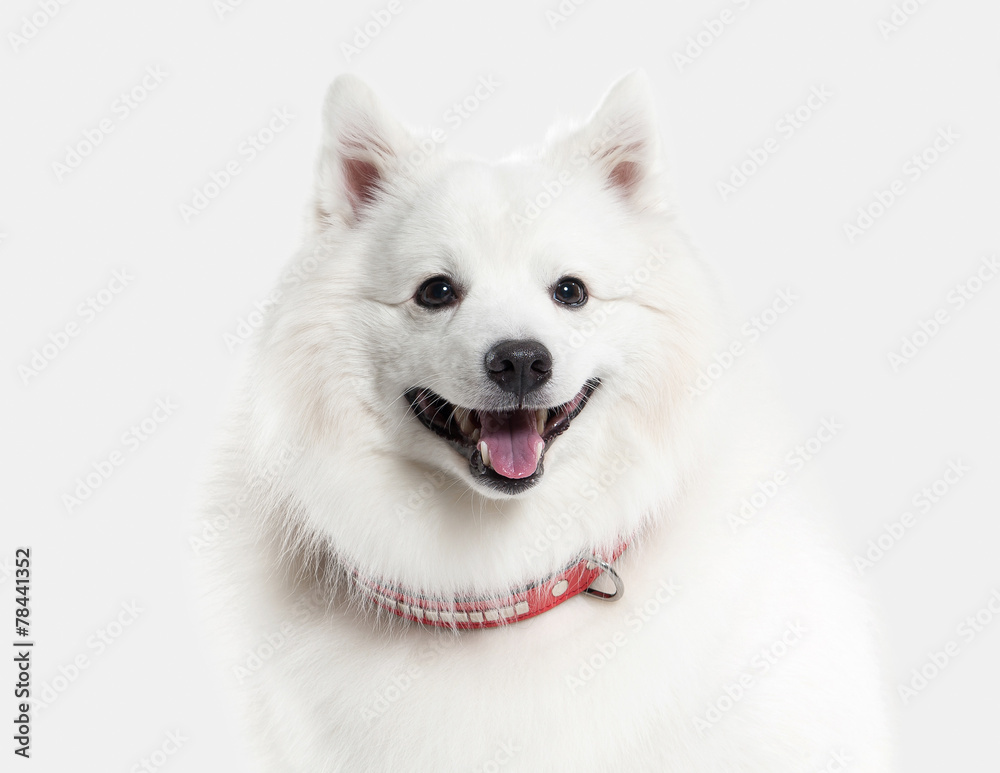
pixel 516 329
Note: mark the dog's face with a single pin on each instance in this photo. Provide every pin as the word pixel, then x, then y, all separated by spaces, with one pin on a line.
pixel 501 332
pixel 518 327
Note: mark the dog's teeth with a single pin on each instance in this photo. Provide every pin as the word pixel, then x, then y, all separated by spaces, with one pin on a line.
pixel 540 416
pixel 464 419
pixel 475 435
pixel 538 452
pixel 484 451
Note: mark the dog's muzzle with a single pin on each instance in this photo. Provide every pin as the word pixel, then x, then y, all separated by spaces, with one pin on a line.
pixel 505 448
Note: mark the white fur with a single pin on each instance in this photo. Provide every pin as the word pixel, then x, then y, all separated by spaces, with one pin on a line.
pixel 329 470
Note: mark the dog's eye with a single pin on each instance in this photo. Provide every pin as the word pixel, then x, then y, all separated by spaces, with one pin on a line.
pixel 569 292
pixel 436 292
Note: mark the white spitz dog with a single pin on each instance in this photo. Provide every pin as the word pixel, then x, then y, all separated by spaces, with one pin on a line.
pixel 491 399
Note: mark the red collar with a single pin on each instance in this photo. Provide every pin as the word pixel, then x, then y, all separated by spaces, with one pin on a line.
pixel 531 600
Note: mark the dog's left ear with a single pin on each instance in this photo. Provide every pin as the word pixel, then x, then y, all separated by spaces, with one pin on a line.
pixel 621 142
pixel 362 148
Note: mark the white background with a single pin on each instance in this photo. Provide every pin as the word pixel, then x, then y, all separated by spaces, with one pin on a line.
pixel 162 336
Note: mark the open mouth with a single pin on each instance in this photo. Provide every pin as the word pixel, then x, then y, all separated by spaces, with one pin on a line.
pixel 504 448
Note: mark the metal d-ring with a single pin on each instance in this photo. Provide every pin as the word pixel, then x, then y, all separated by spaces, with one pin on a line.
pixel 609 570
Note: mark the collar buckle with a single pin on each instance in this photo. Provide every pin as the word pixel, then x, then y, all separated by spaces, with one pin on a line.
pixel 597 561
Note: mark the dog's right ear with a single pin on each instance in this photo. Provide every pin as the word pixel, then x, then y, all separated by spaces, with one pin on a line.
pixel 362 146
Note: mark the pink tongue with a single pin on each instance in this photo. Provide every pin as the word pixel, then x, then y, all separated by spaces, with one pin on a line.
pixel 513 442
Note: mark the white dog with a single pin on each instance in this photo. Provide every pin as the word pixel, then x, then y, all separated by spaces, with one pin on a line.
pixel 477 414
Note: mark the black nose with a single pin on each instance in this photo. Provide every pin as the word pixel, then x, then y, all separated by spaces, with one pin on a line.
pixel 519 366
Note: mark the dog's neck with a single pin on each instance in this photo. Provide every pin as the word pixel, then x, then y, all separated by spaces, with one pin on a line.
pixel 313 566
